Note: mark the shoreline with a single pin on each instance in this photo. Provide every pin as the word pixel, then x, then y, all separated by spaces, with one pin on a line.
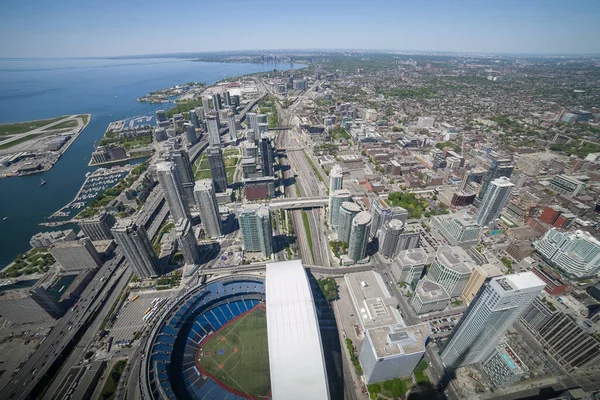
pixel 60 152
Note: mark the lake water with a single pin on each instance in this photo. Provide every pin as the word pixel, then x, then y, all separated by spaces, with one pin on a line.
pixel 106 88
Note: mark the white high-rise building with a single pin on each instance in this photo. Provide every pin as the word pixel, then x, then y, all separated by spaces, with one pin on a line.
pixel 359 236
pixel 380 212
pixel 336 198
pixel 336 178
pixel 492 313
pixel 232 125
pixel 451 268
pixel 347 212
pixel 494 200
pixel 577 253
pixel 206 201
pixel 172 187
pixel 389 236
pixel 212 126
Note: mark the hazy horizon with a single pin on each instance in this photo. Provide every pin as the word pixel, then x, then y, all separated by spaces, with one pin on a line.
pixel 70 29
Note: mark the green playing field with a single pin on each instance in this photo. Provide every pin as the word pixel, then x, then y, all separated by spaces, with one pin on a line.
pixel 237 355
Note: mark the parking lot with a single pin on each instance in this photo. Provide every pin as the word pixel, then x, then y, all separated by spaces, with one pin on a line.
pixel 130 318
pixel 442 326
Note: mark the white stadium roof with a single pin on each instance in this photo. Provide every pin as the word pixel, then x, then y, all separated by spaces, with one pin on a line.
pixel 296 358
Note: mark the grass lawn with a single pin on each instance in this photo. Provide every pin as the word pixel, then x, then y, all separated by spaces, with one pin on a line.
pixel 22 127
pixel 237 355
pixel 21 140
pixel 108 391
pixel 420 375
pixel 231 152
pixel 204 164
pixel 230 171
pixel 66 124
pixel 202 174
pixel 308 234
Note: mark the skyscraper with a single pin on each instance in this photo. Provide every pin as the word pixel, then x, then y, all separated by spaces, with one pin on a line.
pixel 212 125
pixel 359 236
pixel 171 184
pixel 217 101
pixel 194 119
pixel 136 248
pixel 227 98
pixel 206 202
pixel 388 237
pixel 217 168
pixel 183 166
pixel 496 197
pixel 336 178
pixel 206 104
pixel 252 119
pixel 380 212
pixel 232 124
pixel 187 242
pixel 336 198
pixel 255 224
pixel 98 227
pixel 498 168
pixel 489 316
pixel 266 155
pixel 451 268
pixel 347 211
pixel 190 132
pixel 250 137
pixel 161 116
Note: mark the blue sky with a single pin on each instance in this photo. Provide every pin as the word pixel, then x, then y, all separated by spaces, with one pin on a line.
pixel 82 28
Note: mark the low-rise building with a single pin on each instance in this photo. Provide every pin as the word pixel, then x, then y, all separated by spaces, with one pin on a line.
pixel 503 367
pixel 408 266
pixel 457 229
pixel 46 239
pixel 577 254
pixel 390 348
pixel 428 297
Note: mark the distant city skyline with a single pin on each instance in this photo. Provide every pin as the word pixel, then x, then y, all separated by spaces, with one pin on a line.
pixel 66 28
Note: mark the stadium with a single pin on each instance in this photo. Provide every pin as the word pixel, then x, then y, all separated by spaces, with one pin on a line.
pixel 227 317
pixel 242 337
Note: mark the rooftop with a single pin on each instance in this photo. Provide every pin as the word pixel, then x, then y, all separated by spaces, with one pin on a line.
pixel 374 304
pixel 455 258
pixel 412 257
pixel 395 340
pixel 351 206
pixel 431 291
pixel 362 218
pixel 296 360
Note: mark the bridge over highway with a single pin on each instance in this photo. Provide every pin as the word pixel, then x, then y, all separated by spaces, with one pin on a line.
pixel 317 269
pixel 298 203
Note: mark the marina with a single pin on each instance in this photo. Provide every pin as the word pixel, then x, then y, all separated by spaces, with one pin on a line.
pixel 95 184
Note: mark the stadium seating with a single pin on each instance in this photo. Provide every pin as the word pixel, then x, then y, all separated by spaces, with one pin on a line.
pixel 201 312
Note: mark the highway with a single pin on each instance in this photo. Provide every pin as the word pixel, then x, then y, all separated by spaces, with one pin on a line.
pixel 308 184
pixel 46 360
pixel 120 280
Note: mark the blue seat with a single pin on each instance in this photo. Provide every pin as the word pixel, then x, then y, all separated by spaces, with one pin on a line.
pixel 169 330
pixel 226 312
pixel 165 339
pixel 206 389
pixel 212 319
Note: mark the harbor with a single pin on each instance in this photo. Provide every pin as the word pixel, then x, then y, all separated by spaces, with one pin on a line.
pixel 95 184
